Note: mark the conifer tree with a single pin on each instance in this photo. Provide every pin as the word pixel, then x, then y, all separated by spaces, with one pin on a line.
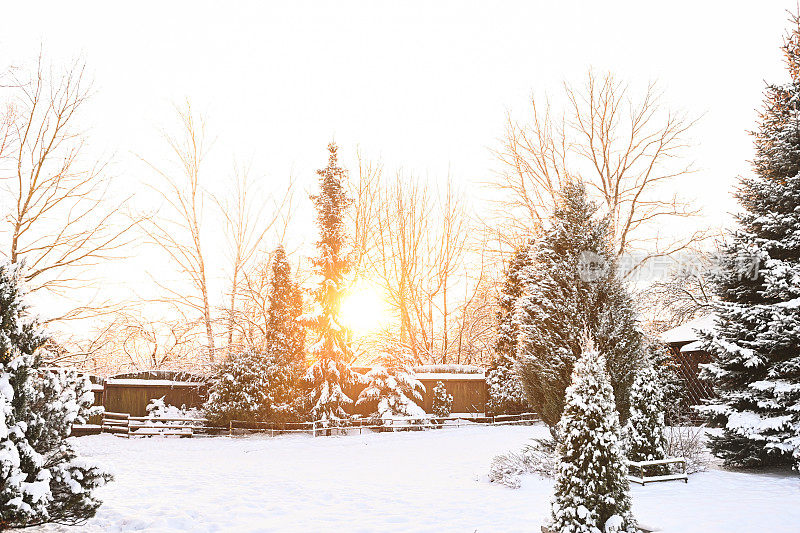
pixel 755 369
pixel 330 373
pixel 41 477
pixel 442 403
pixel 644 433
pixel 572 285
pixel 591 489
pixel 263 384
pixel 285 338
pixel 394 386
pixel 241 389
pixel 506 395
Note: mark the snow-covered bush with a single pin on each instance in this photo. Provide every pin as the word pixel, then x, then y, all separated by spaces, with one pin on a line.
pixel 690 443
pixel 591 489
pixel 442 403
pixel 41 477
pixel 539 457
pixel 504 388
pixel 394 386
pixel 644 432
pixel 263 384
pixel 157 408
pixel 242 389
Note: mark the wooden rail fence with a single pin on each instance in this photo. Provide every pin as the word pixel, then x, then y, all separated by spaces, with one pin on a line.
pixel 123 424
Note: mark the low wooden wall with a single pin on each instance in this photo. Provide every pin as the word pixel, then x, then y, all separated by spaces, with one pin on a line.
pixel 469 392
pixel 128 394
pixel 132 394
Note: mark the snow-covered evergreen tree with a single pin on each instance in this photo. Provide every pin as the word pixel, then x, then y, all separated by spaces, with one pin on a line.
pixel 644 432
pixel 591 490
pixel 572 285
pixel 442 403
pixel 285 339
pixel 755 368
pixel 261 385
pixel 41 478
pixel 330 373
pixel 393 385
pixel 242 388
pixel 506 395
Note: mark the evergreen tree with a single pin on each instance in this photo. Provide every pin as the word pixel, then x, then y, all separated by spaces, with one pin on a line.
pixel 41 477
pixel 394 386
pixel 572 285
pixel 259 385
pixel 644 433
pixel 755 368
pixel 285 338
pixel 506 395
pixel 242 388
pixel 442 403
pixel 591 490
pixel 330 373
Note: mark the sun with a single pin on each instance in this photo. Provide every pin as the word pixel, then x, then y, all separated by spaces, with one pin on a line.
pixel 364 309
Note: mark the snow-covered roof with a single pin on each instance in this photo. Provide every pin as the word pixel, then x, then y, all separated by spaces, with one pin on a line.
pixel 449 376
pixel 688 332
pixel 152 382
pixel 695 346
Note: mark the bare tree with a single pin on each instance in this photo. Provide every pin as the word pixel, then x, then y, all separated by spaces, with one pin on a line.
pixel 132 341
pixel 625 148
pixel 683 293
pixel 176 227
pixel 60 219
pixel 248 221
pixel 419 243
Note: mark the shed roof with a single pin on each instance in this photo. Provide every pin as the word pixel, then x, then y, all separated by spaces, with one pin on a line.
pixel 688 332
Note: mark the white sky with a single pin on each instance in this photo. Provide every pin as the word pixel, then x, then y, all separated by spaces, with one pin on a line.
pixel 423 85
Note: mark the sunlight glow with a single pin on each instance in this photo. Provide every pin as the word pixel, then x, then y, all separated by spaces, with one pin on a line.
pixel 364 309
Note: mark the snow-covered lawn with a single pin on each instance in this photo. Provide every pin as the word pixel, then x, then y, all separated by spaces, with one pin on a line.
pixel 419 481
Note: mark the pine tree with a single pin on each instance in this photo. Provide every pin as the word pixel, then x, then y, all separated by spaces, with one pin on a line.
pixel 285 338
pixel 394 386
pixel 242 388
pixel 506 395
pixel 442 403
pixel 644 433
pixel 41 477
pixel 261 385
pixel 572 285
pixel 755 368
pixel 591 490
pixel 330 373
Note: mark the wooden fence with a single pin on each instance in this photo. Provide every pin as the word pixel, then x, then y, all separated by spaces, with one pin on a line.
pixel 124 425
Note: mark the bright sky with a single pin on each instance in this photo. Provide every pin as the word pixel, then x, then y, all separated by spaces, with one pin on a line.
pixel 422 85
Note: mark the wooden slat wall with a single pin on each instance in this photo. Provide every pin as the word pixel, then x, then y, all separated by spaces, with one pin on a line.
pixel 133 399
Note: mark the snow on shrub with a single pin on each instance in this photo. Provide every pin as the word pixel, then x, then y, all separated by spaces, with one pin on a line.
pixel 539 458
pixel 394 386
pixel 442 401
pixel 591 490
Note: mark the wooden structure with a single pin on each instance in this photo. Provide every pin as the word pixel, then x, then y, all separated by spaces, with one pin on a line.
pixel 642 478
pixel 687 351
pixel 131 393
pixel 467 386
pixel 123 424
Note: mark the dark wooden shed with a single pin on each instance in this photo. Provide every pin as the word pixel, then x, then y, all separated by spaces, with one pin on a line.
pixel 687 351
pixel 130 393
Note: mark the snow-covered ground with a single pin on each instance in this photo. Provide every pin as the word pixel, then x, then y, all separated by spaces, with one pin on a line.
pixel 417 481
